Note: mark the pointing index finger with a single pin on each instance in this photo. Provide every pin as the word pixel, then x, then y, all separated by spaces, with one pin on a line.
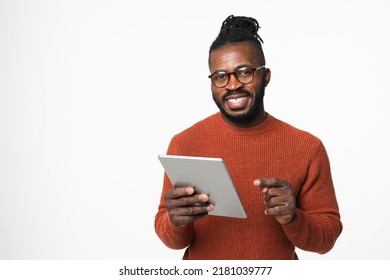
pixel 266 183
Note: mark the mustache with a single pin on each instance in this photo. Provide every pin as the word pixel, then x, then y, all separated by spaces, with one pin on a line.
pixel 233 92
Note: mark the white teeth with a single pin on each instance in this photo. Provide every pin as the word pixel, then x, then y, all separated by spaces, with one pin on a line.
pixel 236 100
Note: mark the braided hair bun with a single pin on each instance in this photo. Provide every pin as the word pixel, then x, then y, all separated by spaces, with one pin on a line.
pixel 238 29
pixel 242 24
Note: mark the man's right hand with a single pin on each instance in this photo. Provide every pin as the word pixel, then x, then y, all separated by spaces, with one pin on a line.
pixel 185 206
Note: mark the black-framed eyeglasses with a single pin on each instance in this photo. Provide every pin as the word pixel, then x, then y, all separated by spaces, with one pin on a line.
pixel 243 74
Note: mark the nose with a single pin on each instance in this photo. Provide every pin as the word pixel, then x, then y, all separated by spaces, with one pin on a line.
pixel 233 83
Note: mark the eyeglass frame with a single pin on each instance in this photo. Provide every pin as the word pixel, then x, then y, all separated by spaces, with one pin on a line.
pixel 254 69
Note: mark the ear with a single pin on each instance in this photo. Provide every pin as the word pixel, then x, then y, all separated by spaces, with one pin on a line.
pixel 267 76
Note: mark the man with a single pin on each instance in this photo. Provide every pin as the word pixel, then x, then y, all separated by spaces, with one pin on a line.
pixel 282 174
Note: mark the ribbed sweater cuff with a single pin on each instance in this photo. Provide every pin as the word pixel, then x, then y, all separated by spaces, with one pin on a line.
pixel 173 236
pixel 175 228
pixel 295 228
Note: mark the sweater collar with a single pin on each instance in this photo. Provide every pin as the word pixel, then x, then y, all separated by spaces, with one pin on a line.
pixel 262 128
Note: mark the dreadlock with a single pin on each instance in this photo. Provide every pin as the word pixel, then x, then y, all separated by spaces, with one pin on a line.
pixel 238 29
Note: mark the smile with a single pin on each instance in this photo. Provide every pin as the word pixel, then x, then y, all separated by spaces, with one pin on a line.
pixel 237 103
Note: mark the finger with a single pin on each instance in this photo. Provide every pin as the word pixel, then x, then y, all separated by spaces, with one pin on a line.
pixel 191 210
pixel 271 183
pixel 268 184
pixel 180 191
pixel 276 201
pixel 257 183
pixel 276 192
pixel 188 200
pixel 279 210
pixel 184 215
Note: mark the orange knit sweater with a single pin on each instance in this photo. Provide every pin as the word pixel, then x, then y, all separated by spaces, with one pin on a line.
pixel 271 149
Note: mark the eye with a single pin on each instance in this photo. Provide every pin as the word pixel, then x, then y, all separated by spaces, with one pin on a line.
pixel 219 76
pixel 244 72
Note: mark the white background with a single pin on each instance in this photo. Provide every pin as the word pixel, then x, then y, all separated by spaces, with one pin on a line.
pixel 92 91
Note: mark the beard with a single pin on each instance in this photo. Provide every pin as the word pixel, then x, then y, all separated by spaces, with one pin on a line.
pixel 249 116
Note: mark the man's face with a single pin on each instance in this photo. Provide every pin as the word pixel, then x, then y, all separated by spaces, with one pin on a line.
pixel 240 104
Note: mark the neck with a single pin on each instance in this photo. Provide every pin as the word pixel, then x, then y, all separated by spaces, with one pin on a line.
pixel 258 120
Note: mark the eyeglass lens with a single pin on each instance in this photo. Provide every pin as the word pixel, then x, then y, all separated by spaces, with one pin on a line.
pixel 243 75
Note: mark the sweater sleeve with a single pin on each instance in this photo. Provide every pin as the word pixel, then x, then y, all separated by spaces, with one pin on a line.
pixel 316 224
pixel 171 235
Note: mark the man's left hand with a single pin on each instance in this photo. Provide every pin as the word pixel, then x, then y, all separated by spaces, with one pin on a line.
pixel 279 198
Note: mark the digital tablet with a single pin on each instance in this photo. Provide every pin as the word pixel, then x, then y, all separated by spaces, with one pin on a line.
pixel 208 175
